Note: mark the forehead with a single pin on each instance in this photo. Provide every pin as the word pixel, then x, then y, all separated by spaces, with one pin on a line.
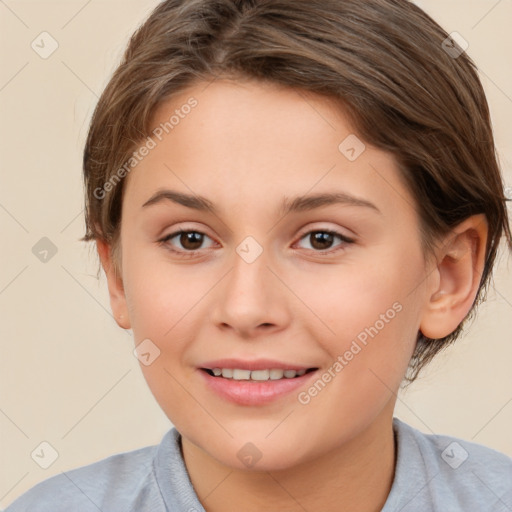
pixel 252 111
pixel 251 141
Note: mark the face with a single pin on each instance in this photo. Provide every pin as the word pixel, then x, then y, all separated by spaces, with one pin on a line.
pixel 262 278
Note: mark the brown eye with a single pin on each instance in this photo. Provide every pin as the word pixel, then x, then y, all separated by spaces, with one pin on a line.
pixel 191 240
pixel 323 240
pixel 185 241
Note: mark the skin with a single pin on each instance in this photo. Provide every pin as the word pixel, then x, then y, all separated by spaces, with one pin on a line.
pixel 245 146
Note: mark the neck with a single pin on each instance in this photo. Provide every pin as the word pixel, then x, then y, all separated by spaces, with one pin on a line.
pixel 356 476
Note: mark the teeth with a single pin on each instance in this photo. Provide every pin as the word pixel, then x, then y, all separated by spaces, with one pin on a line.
pixel 276 374
pixel 258 375
pixel 240 374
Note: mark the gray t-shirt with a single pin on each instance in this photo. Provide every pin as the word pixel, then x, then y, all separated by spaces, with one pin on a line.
pixel 433 473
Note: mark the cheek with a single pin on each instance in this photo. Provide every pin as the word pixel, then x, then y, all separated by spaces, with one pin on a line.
pixel 357 294
pixel 161 296
pixel 161 301
pixel 370 313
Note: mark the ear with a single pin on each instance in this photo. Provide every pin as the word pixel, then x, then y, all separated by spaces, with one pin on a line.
pixel 460 263
pixel 115 285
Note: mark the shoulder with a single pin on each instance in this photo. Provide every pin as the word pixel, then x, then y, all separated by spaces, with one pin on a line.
pixel 455 471
pixel 111 484
pixel 452 453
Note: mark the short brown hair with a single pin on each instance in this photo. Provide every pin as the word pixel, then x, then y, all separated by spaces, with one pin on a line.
pixel 385 61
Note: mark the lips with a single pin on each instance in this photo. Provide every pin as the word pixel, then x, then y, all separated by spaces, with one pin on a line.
pixel 259 364
pixel 256 375
pixel 254 382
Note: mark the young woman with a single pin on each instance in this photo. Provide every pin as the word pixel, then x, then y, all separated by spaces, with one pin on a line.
pixel 297 204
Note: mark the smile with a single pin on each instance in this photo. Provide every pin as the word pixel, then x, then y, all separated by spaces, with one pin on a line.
pixel 256 375
pixel 255 383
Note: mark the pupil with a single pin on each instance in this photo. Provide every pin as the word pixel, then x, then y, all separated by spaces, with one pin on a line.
pixel 325 240
pixel 191 237
pixel 320 240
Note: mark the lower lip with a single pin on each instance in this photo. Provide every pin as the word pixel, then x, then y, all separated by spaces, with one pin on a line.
pixel 249 392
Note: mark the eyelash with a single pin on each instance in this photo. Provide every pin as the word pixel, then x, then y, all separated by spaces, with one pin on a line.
pixel 190 254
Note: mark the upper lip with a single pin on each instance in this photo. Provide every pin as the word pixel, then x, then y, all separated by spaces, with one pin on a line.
pixel 257 364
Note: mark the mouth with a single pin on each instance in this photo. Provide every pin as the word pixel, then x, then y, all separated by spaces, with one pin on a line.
pixel 257 375
pixel 254 383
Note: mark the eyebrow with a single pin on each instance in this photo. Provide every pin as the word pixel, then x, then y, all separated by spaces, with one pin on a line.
pixel 296 204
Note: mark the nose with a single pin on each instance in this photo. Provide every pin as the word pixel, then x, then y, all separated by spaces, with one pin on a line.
pixel 251 300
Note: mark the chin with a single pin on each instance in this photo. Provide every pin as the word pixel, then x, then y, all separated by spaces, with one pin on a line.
pixel 270 460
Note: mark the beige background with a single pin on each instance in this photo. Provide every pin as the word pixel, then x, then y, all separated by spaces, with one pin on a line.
pixel 67 372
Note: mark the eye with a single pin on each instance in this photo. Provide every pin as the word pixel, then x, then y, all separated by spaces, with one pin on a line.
pixel 321 240
pixel 190 241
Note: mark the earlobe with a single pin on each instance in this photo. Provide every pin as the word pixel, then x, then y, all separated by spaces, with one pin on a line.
pixel 461 259
pixel 115 285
